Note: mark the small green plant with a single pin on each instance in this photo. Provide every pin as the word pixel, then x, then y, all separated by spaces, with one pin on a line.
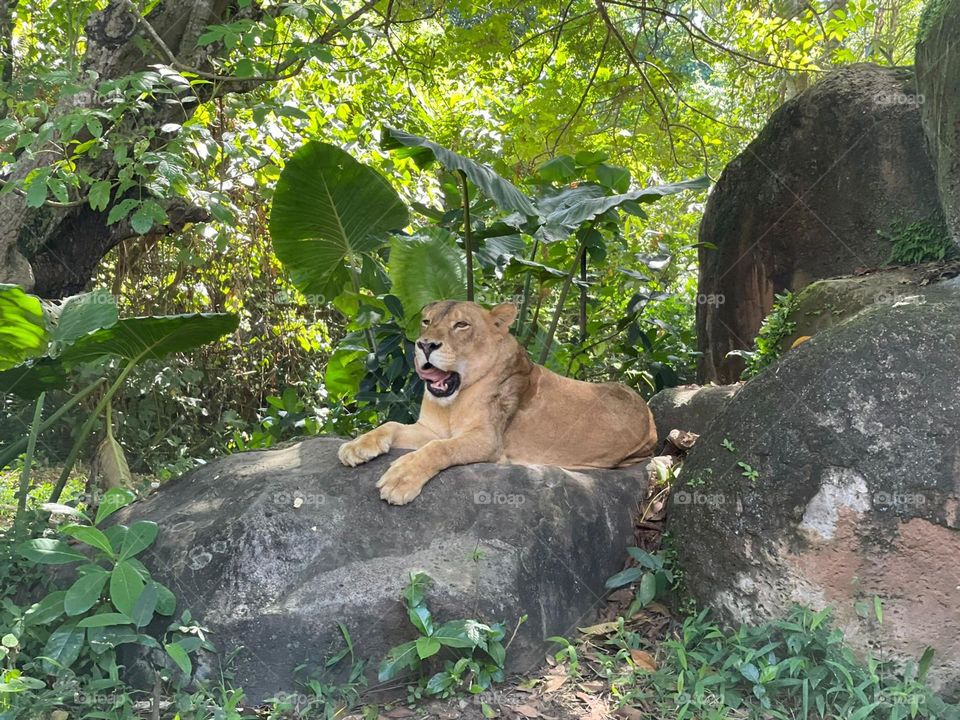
pixel 75 632
pixel 325 697
pixel 728 445
pixel 919 242
pixel 798 667
pixel 775 329
pixel 472 653
pixel 652 576
pixel 748 471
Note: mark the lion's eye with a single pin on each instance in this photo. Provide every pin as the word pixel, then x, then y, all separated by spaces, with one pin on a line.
pixel 460 325
pixel 424 322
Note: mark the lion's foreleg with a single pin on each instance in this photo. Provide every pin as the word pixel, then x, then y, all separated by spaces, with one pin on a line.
pixel 408 474
pixel 381 439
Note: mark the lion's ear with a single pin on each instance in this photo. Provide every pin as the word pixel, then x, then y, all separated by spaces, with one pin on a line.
pixel 503 315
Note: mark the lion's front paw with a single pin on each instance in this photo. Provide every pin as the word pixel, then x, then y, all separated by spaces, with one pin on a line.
pixel 366 447
pixel 403 481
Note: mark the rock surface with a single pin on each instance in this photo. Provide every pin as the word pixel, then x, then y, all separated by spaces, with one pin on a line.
pixel 689 407
pixel 833 167
pixel 855 439
pixel 938 81
pixel 274 574
pixel 826 303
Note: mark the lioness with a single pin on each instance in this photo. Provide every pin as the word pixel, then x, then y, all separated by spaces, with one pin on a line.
pixel 485 401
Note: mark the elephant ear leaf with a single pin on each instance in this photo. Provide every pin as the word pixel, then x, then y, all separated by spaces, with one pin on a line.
pixel 23 330
pixel 328 210
pixel 424 268
pixel 423 152
pixel 153 337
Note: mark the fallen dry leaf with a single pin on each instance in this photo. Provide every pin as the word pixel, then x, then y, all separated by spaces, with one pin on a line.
pixel 643 659
pixel 528 711
pixel 629 713
pixel 552 683
pixel 400 712
pixel 604 628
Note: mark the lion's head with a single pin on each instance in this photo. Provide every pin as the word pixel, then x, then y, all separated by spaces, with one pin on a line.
pixel 460 343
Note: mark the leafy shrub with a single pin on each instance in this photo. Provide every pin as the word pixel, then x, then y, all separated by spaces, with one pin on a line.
pixel 775 329
pixel 919 242
pixel 62 649
pixel 472 653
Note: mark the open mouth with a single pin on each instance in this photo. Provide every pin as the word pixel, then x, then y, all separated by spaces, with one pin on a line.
pixel 440 383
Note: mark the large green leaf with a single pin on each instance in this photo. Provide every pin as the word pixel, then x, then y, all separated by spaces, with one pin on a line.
pixel 398 659
pixel 139 537
pixel 423 152
pixel 425 268
pixel 125 587
pixel 150 337
pixel 81 314
pixel 575 214
pixel 62 648
pixel 49 551
pixel 328 209
pixel 85 592
pixel 23 331
pixel 32 378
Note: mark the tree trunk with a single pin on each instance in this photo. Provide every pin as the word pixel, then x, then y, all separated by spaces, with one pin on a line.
pixel 54 251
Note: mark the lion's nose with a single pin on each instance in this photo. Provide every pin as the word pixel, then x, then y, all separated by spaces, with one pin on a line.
pixel 428 347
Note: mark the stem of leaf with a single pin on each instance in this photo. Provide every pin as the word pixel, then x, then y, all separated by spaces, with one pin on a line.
pixel 567 282
pixel 28 464
pixel 467 232
pixel 87 427
pixel 525 304
pixel 355 281
pixel 583 298
pixel 16 448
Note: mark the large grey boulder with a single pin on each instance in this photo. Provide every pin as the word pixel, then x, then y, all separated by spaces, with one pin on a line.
pixel 808 199
pixel 938 82
pixel 854 437
pixel 272 549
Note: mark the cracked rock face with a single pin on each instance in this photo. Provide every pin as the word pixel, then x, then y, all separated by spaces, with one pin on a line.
pixel 271 549
pixel 832 169
pixel 855 439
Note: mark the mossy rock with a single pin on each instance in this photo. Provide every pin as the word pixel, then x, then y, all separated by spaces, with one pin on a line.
pixel 830 302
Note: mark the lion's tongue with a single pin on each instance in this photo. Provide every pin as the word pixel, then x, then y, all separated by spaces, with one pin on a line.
pixel 435 376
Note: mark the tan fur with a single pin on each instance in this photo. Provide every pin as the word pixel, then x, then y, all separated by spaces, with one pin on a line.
pixel 507 409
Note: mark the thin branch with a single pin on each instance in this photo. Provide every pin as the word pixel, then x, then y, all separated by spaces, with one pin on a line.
pixel 586 92
pixel 293 62
pixel 631 58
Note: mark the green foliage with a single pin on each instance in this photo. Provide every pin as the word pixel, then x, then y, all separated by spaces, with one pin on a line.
pixel 919 242
pixel 329 211
pixel 776 327
pixel 23 334
pixel 426 268
pixel 73 633
pixel 457 655
pixel 799 667
pixel 652 576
